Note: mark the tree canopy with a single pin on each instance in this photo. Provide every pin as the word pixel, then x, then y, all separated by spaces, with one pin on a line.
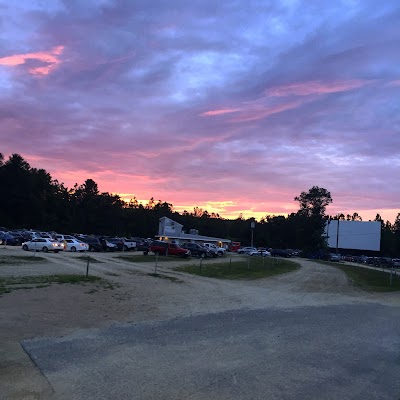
pixel 31 198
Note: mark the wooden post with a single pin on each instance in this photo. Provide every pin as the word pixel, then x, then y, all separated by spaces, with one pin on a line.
pixel 391 276
pixel 87 266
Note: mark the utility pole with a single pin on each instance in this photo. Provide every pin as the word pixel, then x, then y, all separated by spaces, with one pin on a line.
pixel 337 237
pixel 252 225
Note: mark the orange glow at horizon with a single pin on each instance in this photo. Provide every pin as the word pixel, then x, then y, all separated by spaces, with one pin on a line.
pixel 222 208
pixel 231 210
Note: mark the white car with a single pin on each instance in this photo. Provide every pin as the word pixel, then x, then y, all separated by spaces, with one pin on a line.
pixel 75 245
pixel 261 253
pixel 396 262
pixel 129 244
pixel 246 250
pixel 61 238
pixel 220 251
pixel 43 244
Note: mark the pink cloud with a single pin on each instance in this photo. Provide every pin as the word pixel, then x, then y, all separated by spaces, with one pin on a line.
pixel 49 58
pixel 257 114
pixel 315 87
pixel 395 83
pixel 255 110
pixel 220 112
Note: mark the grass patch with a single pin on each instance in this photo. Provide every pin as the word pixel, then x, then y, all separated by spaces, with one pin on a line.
pixel 368 279
pixel 252 268
pixel 91 259
pixel 11 260
pixel 14 283
pixel 151 259
pixel 45 279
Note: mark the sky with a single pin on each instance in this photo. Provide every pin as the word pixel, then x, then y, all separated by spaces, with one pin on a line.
pixel 229 106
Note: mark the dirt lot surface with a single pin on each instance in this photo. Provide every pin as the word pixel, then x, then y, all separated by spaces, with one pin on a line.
pixel 38 318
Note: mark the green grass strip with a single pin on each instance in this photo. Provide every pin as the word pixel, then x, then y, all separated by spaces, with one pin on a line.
pixel 250 268
pixel 44 279
pixel 368 279
pixel 11 260
pixel 40 281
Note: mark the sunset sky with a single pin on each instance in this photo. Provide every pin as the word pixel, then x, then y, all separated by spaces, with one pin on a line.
pixel 231 106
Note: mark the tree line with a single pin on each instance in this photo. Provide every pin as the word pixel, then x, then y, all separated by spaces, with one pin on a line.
pixel 31 198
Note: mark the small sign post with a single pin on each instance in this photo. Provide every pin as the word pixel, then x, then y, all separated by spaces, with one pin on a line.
pixel 87 266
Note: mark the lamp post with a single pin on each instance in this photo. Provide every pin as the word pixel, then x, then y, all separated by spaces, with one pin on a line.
pixel 252 225
pixel 337 237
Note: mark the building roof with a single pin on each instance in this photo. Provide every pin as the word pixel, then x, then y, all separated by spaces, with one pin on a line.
pixel 169 219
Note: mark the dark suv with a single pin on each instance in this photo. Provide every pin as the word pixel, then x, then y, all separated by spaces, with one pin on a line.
pixel 93 242
pixel 197 250
pixel 118 242
pixel 280 253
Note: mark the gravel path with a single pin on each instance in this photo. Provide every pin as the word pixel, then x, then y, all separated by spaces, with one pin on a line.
pixel 64 310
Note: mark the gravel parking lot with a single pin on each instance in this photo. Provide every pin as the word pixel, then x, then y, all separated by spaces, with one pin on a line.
pixel 306 334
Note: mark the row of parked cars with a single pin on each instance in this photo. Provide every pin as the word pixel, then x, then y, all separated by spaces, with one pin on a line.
pixel 263 252
pixel 185 250
pixel 82 243
pixel 383 262
pixel 52 241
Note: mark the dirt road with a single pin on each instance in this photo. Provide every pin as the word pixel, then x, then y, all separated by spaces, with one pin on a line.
pixel 134 296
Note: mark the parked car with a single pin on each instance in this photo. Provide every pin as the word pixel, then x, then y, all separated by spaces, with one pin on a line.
pixel 129 243
pixel 27 235
pixel 396 262
pixel 384 262
pixel 197 250
pixel 245 250
pixel 280 253
pixel 45 235
pixel 334 257
pixel 43 244
pixel 93 242
pixel 360 259
pixel 118 242
pixel 372 261
pixel 164 248
pixel 61 238
pixel 142 245
pixel 9 239
pixel 294 252
pixel 348 258
pixel 75 245
pixel 17 236
pixel 260 253
pixel 107 245
pixel 220 251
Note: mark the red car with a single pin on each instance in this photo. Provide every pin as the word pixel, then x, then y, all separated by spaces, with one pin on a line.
pixel 165 248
